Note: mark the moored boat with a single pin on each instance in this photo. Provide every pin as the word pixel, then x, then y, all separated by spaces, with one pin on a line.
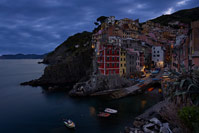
pixel 109 110
pixel 69 123
pixel 102 114
pixel 150 89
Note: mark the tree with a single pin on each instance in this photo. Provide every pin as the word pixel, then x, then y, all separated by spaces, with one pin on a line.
pixel 96 23
pixel 101 19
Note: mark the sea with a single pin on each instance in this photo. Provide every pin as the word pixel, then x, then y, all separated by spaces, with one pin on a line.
pixel 27 109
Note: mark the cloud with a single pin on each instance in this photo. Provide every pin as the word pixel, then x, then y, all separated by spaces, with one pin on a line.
pixel 38 26
pixel 183 2
pixel 169 11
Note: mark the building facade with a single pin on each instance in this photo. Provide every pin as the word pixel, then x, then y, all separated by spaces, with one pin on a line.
pixel 122 62
pixel 158 56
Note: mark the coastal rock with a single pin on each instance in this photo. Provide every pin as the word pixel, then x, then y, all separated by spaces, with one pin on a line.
pixel 148 128
pixel 165 128
pixel 139 122
pixel 99 83
pixel 67 64
pixel 156 121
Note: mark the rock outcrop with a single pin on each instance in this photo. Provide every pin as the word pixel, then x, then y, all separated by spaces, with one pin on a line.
pixel 69 63
pixel 98 83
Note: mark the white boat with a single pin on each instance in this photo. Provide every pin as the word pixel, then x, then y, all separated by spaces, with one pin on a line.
pixel 69 123
pixel 111 111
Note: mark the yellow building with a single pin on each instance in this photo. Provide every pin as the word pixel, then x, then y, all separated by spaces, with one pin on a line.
pixel 122 62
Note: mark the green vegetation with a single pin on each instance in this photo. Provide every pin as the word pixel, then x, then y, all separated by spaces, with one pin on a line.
pixel 190 116
pixel 77 39
pixel 72 46
pixel 184 16
pixel 101 19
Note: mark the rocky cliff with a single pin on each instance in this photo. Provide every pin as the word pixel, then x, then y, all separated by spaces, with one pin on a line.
pixel 69 63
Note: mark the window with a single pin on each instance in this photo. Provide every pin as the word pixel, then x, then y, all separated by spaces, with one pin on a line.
pixel 124 59
pixel 113 51
pixel 107 52
pixel 107 58
pixel 118 58
pixel 121 65
pixel 107 65
pixel 153 55
pixel 117 64
pixel 157 51
pixel 121 59
pixel 112 58
pixel 158 55
pixel 113 71
pixel 154 51
pixel 112 64
pixel 117 51
pixel 124 64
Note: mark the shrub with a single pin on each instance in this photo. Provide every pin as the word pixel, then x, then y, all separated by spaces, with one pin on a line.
pixel 190 116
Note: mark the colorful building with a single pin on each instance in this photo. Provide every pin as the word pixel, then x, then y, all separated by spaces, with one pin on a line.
pixel 122 62
pixel 158 56
pixel 108 60
pixel 194 44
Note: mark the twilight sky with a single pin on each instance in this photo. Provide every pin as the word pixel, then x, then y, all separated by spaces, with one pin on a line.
pixel 38 26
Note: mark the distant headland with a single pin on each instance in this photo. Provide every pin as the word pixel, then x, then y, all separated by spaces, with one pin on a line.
pixel 22 56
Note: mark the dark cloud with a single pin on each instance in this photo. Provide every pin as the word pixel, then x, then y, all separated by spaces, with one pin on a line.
pixel 38 26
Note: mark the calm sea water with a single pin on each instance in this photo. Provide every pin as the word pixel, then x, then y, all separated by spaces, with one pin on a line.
pixel 26 109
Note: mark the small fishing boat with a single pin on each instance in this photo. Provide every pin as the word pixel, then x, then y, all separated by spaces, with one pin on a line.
pixel 102 114
pixel 111 111
pixel 141 84
pixel 150 89
pixel 69 123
